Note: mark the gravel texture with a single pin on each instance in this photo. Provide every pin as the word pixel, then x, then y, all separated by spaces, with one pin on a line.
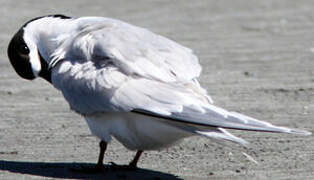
pixel 257 57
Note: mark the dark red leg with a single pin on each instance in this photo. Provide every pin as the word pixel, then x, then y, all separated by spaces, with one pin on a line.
pixel 100 166
pixel 103 147
pixel 133 163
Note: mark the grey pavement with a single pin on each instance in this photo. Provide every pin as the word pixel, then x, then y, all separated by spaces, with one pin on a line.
pixel 257 57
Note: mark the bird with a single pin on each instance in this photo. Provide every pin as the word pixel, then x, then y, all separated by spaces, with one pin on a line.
pixel 127 82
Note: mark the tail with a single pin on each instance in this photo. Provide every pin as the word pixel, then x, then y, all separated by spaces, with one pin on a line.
pixel 247 123
pixel 214 116
pixel 213 121
pixel 221 133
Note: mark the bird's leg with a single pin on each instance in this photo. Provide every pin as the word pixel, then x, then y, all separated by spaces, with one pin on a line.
pixel 103 147
pixel 99 166
pixel 132 165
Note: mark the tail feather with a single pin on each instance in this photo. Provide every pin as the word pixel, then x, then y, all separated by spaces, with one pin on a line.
pixel 213 121
pixel 222 134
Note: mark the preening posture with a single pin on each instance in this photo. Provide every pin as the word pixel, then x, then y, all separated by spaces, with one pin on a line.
pixel 128 82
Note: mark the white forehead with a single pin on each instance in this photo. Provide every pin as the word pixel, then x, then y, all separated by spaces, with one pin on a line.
pixel 44 25
pixel 41 34
pixel 34 29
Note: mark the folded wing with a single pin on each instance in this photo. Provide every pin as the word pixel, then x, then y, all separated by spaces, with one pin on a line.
pixel 180 103
pixel 114 66
pixel 135 51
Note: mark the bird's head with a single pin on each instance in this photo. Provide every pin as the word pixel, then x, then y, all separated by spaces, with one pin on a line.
pixel 27 50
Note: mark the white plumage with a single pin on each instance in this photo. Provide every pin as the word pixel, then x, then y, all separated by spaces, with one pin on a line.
pixel 132 84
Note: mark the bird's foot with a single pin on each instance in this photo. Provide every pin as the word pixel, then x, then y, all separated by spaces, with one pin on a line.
pixel 89 169
pixel 118 167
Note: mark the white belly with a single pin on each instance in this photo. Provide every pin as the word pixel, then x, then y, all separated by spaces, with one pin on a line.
pixel 135 131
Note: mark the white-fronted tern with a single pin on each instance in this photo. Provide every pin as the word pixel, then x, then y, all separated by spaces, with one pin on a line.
pixel 127 82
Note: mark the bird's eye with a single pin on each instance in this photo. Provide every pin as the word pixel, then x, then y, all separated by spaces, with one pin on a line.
pixel 23 49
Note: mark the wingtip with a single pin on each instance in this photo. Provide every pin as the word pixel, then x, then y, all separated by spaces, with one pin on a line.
pixel 300 132
pixel 281 129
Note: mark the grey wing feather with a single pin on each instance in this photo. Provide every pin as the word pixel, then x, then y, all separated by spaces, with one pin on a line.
pixel 134 50
pixel 104 54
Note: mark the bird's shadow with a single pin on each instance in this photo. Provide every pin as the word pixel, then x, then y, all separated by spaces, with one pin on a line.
pixel 63 171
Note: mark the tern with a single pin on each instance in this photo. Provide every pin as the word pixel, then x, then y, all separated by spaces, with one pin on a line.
pixel 127 82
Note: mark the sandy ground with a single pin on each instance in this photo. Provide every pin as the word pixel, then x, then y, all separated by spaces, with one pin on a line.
pixel 257 57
